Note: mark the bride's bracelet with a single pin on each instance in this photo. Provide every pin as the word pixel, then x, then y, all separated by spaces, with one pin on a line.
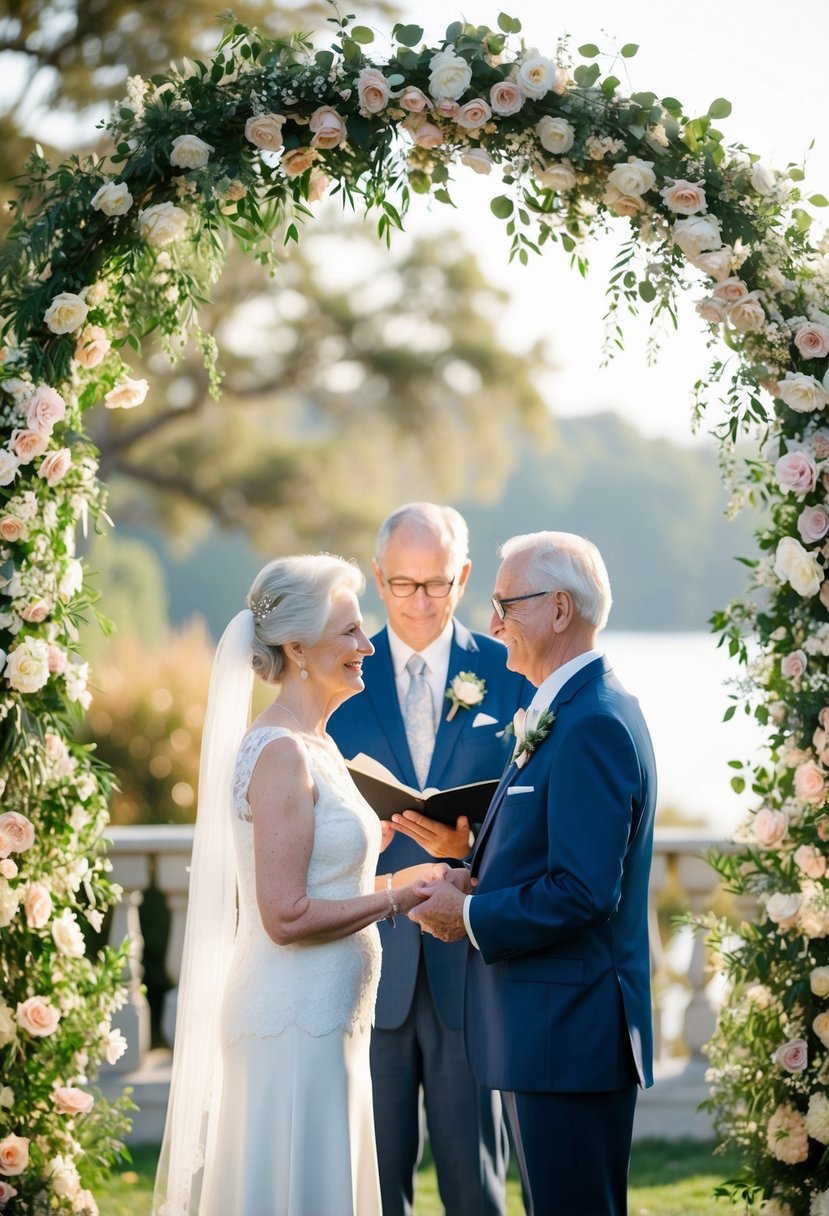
pixel 394 906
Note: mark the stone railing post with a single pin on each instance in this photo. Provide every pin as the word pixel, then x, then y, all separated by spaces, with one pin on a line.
pixel 699 882
pixel 131 870
pixel 172 876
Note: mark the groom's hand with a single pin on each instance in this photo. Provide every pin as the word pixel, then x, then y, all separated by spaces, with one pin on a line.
pixel 441 912
pixel 437 839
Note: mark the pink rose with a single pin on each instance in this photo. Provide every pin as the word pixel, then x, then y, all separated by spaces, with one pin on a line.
pixel 297 161
pixel 823 594
pixel 72 1101
pixel 447 108
pixel 809 783
pixel 35 612
pixel 505 98
pixel 820 441
pixel 12 529
pixel 29 444
pixel 424 133
pixel 770 827
pixel 812 341
pixel 92 347
pixel 711 310
pixel 37 903
pixel 822 825
pixel 823 718
pixel 55 467
pixel 793 1056
pixel 373 91
pixel 624 204
pixel 58 659
pixel 795 471
pixel 318 184
pixel 813 524
pixel 820 742
pixel 8 868
pixel 127 395
pixel 14 1155
pixel 473 115
pixel 414 100
pixel 7 1192
pixel 265 131
pixel 18 831
pixel 44 409
pixel 37 1017
pixel 792 666
pixel 731 290
pixel 686 198
pixel 329 129
pixel 810 861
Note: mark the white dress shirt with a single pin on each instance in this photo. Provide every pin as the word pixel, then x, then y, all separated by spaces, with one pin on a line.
pixel 436 657
pixel 545 694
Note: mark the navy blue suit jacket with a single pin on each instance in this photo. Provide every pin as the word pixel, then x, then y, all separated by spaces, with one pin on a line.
pixel 372 723
pixel 558 997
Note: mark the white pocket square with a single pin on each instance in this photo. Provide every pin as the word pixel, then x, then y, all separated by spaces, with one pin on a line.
pixel 521 789
pixel 484 720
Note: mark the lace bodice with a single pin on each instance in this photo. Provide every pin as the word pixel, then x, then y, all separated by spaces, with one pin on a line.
pixel 318 987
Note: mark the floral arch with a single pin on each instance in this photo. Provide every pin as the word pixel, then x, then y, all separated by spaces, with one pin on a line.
pixel 102 253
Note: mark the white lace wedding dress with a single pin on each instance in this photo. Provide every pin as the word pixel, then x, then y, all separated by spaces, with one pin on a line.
pixel 296 1130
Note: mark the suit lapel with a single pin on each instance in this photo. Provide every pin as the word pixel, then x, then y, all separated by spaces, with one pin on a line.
pixel 510 773
pixel 464 655
pixel 382 692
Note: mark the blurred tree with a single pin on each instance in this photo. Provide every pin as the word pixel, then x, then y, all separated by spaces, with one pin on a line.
pixel 131 582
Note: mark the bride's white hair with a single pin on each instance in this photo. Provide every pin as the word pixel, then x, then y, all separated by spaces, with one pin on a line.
pixel 290 599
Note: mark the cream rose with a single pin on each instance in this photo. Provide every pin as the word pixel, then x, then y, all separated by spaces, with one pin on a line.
pixel 447 108
pixel 55 467
pixel 27 668
pixel 9 897
pixel 127 395
pixel 730 290
pixel 697 234
pixel 783 907
pixel 67 935
pixel 473 114
pixel 711 310
pixel 12 529
pixel 29 444
pixel 162 224
pixel 633 176
pixel 769 827
pixel 685 198
pixel 477 159
pixel 297 161
pixel 66 313
pixel 37 904
pixel 44 408
pixel 70 1100
pixel 793 1056
pixel 14 1155
pixel 8 869
pixel 318 184
pixel 560 177
pixel 37 1017
pixel 792 666
pixel 9 464
pixel 424 133
pixel 812 341
pixel 820 1024
pixel 449 75
pixel 71 580
pixel 505 98
pixel 624 204
pixel 328 127
pixel 113 198
pixel 413 100
pixel 762 179
pixel 18 832
pixel 8 1025
pixel 373 91
pixel 802 393
pixel 812 524
pixel 190 152
pixel 812 862
pixel 819 981
pixel 746 315
pixel 7 1192
pixel 556 135
pixel 92 347
pixel 810 783
pixel 796 472
pixel 794 565
pixel 265 131
pixel 716 263
pixel 536 75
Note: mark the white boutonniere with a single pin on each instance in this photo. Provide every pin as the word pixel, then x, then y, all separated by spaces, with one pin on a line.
pixel 528 740
pixel 465 691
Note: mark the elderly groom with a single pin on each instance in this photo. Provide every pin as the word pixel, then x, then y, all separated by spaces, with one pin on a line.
pixel 558 1013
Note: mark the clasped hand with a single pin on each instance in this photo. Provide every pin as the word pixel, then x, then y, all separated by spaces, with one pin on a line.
pixel 440 911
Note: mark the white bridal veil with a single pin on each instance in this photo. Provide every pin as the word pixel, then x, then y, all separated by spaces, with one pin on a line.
pixel 192 1111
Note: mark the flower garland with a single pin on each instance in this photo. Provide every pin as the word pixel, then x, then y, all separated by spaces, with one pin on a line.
pixel 105 252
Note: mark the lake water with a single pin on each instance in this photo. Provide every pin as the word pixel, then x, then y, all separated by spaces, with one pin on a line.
pixel 680 680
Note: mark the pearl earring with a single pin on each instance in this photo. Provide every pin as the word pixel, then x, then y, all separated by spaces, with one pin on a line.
pixel 303 674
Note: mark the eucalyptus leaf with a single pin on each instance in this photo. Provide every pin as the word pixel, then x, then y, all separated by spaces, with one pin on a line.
pixel 408 35
pixel 720 108
pixel 502 207
pixel 362 34
pixel 589 50
pixel 629 50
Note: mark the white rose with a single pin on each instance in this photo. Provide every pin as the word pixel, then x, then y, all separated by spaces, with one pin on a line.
pixel 113 198
pixel 716 263
pixel 819 981
pixel 697 234
pixel 190 152
pixel 71 580
pixel 802 393
pixel 63 1177
pixel 560 177
pixel 633 176
pixel 449 75
pixel 67 935
pixel 162 224
pixel 746 315
pixel 783 906
pixel 794 565
pixel 265 131
pixel 126 395
pixel 27 668
pixel 9 464
pixel 8 1025
pixel 762 179
pixel 114 1045
pixel 66 313
pixel 555 134
pixel 9 903
pixel 536 75
pixel 477 159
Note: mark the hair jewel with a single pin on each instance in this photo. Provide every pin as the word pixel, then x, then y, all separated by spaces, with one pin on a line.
pixel 264 605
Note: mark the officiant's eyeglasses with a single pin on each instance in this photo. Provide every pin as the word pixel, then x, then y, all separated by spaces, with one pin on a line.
pixel 500 606
pixel 435 588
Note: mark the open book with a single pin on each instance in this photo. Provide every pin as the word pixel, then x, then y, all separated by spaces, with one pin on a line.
pixel 387 796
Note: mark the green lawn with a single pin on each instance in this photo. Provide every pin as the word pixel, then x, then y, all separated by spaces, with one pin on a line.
pixel 666 1179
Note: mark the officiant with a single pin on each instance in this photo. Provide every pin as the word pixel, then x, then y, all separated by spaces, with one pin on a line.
pixel 437 699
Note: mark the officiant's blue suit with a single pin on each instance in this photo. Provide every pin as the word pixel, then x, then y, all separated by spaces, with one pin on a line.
pixel 558 1008
pixel 465 1124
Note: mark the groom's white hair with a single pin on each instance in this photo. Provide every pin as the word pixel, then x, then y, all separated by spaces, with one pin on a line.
pixel 563 561
pixel 431 520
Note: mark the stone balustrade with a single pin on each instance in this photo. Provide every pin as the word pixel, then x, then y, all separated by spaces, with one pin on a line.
pixel 685 993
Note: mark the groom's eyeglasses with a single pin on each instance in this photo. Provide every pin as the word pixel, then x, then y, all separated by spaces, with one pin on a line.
pixel 435 588
pixel 500 606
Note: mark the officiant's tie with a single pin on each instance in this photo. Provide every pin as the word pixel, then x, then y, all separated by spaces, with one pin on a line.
pixel 419 717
